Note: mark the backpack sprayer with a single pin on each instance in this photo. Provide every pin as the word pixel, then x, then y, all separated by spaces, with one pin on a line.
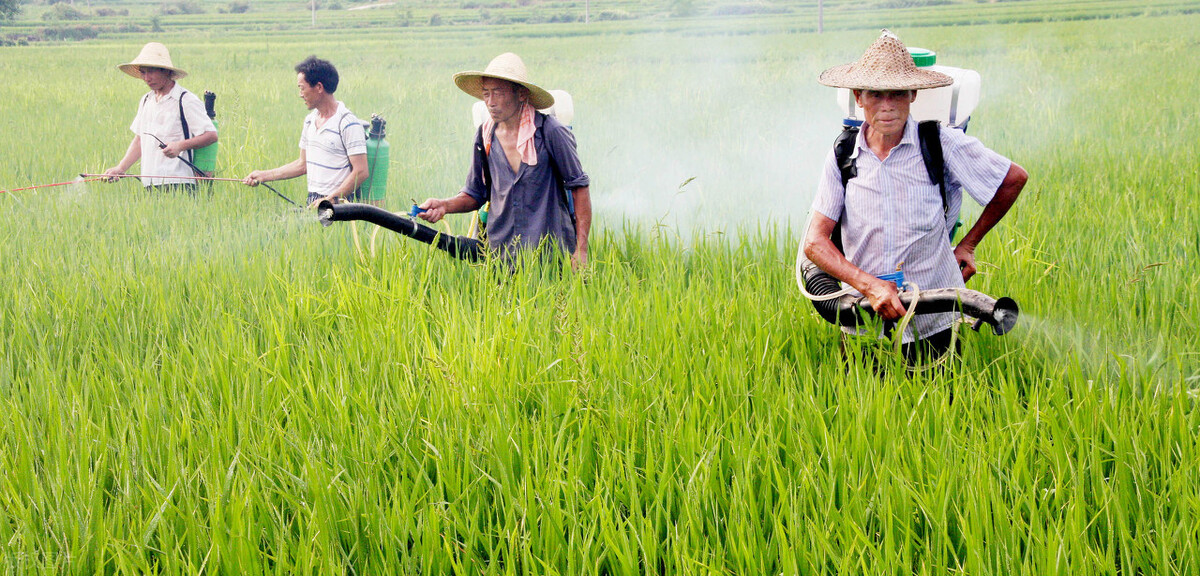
pixel 205 159
pixel 373 189
pixel 471 247
pixel 950 106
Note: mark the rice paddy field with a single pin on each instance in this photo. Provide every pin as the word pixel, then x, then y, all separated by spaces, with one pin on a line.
pixel 218 384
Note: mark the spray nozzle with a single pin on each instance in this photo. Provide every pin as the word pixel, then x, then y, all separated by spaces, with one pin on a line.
pixel 1003 317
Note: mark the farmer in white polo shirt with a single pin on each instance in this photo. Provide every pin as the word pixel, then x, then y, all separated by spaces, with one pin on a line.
pixel 169 125
pixel 333 144
pixel 890 214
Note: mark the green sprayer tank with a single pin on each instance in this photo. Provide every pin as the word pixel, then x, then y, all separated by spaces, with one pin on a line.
pixel 375 186
pixel 206 158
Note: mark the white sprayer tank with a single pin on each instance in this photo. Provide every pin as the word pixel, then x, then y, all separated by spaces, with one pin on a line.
pixel 951 105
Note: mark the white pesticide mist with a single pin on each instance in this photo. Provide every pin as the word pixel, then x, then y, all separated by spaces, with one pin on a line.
pixel 77 192
pixel 743 120
pixel 740 119
pixel 1108 357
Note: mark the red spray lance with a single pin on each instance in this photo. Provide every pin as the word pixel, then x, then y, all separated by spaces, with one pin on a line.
pixel 77 181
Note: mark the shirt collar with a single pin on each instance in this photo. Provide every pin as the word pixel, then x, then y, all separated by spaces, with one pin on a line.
pixel 341 109
pixel 176 92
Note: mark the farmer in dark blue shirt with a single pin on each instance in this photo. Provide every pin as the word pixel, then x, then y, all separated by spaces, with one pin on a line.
pixel 533 178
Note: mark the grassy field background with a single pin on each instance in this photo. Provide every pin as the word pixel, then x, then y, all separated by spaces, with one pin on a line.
pixel 218 384
pixel 66 18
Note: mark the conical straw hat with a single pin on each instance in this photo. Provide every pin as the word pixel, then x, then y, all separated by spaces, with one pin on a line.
pixel 507 66
pixel 153 55
pixel 886 65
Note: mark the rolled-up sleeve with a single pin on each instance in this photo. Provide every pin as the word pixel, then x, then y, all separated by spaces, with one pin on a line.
pixel 561 142
pixel 831 195
pixel 197 118
pixel 972 166
pixel 354 136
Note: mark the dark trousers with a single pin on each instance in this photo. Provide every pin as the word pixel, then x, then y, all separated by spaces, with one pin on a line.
pixel 931 348
pixel 916 353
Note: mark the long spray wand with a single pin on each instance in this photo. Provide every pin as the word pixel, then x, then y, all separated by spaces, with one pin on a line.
pixel 163 145
pixel 55 184
pixel 208 178
pixel 200 174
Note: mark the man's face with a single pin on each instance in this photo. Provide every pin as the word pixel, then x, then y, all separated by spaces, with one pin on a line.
pixel 155 78
pixel 309 93
pixel 885 110
pixel 503 99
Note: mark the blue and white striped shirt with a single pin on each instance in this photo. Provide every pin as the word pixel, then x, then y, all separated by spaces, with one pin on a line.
pixel 892 216
pixel 327 150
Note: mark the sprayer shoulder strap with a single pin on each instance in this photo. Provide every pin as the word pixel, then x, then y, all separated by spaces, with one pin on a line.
pixel 929 134
pixel 482 151
pixel 843 149
pixel 562 184
pixel 183 120
pixel 344 124
pixel 929 137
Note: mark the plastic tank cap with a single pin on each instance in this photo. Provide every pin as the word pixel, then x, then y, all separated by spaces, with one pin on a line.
pixel 922 57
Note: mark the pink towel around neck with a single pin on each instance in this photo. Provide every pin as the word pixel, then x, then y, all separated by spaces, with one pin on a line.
pixel 524 136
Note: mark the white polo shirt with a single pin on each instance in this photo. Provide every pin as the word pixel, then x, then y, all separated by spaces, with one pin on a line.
pixel 160 117
pixel 327 150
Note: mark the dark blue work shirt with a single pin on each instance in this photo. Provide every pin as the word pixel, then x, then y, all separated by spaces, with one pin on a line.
pixel 532 203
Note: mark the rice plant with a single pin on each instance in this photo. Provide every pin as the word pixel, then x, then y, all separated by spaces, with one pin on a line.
pixel 218 384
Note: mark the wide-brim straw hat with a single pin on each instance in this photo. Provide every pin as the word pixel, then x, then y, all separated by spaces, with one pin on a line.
pixel 507 66
pixel 153 55
pixel 886 65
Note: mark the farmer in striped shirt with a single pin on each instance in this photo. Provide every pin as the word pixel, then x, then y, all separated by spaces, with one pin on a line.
pixel 892 216
pixel 333 144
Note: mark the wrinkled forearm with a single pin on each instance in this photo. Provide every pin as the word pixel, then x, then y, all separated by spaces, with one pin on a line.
pixel 583 217
pixel 459 204
pixel 820 250
pixel 297 167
